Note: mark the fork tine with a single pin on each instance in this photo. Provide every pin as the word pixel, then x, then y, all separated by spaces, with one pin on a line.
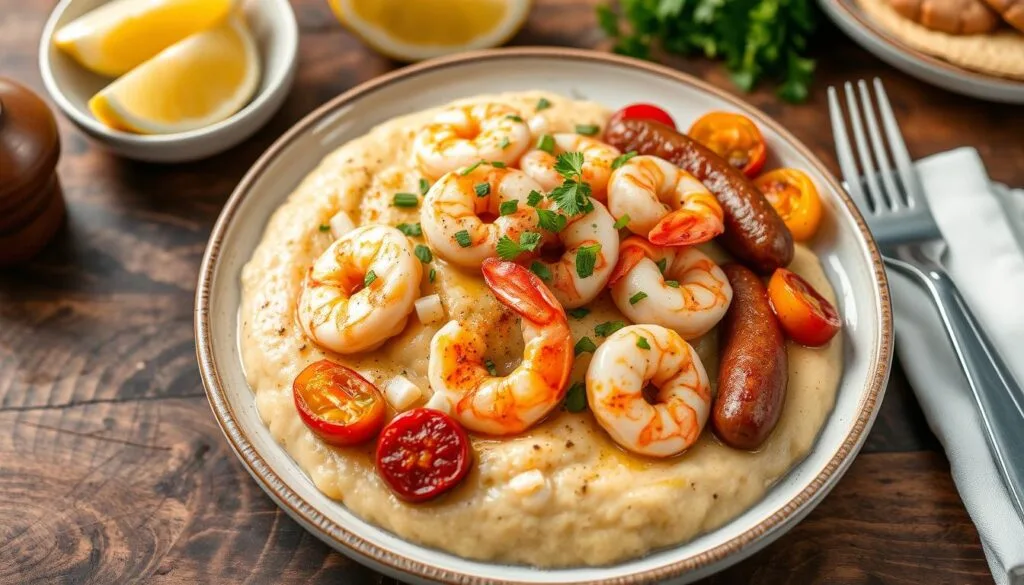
pixel 881 158
pixel 908 175
pixel 870 179
pixel 844 150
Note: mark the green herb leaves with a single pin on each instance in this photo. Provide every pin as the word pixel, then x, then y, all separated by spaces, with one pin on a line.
pixel 576 397
pixel 369 278
pixel 756 38
pixel 588 129
pixel 622 159
pixel 410 229
pixel 572 196
pixel 509 249
pixel 423 253
pixel 405 200
pixel 508 207
pixel 463 238
pixel 584 345
pixel 608 327
pixel 550 220
pixel 546 143
pixel 586 259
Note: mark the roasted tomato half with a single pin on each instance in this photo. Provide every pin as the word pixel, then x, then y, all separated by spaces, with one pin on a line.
pixel 642 112
pixel 806 316
pixel 423 453
pixel 791 192
pixel 733 137
pixel 338 404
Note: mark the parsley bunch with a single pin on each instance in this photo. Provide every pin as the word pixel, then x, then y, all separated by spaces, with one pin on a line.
pixel 755 38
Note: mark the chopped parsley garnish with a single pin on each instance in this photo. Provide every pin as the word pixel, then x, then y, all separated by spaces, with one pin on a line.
pixel 508 207
pixel 608 327
pixel 423 253
pixel 578 312
pixel 482 189
pixel 324 227
pixel 540 270
pixel 533 198
pixel 641 342
pixel 405 200
pixel 470 168
pixel 546 143
pixel 463 238
pixel 497 164
pixel 576 397
pixel 508 248
pixel 572 196
pixel 504 143
pixel 369 278
pixel 622 158
pixel 637 297
pixel 410 229
pixel 672 283
pixel 662 265
pixel 432 276
pixel 587 129
pixel 584 345
pixel 586 259
pixel 514 118
pixel 490 367
pixel 543 104
pixel 551 221
pixel 622 221
pixel 424 186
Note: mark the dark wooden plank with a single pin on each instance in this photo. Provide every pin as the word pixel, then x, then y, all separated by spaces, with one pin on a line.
pixel 113 469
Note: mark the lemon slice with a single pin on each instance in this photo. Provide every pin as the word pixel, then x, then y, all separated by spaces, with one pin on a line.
pixel 412 31
pixel 194 83
pixel 120 35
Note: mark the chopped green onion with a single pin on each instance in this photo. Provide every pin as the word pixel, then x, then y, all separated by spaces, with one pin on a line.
pixel 470 168
pixel 504 143
pixel 543 104
pixel 637 297
pixel 432 276
pixel 497 164
pixel 410 229
pixel 586 259
pixel 324 227
pixel 369 278
pixel 608 327
pixel 622 221
pixel 546 143
pixel 587 129
pixel 540 270
pixel 423 253
pixel 578 312
pixel 662 265
pixel 514 118
pixel 576 397
pixel 424 186
pixel 641 342
pixel 405 200
pixel 622 159
pixel 672 283
pixel 508 207
pixel 490 367
pixel 584 345
pixel 482 189
pixel 462 237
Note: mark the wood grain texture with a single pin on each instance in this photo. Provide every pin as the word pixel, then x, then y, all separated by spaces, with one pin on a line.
pixel 112 469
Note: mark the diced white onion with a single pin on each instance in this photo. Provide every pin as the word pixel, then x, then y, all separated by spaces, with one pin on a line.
pixel 439 402
pixel 429 309
pixel 341 224
pixel 402 393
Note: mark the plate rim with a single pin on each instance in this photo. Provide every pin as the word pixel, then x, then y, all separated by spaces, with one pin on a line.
pixel 328 530
pixel 855 14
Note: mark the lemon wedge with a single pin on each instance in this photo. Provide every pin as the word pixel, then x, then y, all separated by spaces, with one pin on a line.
pixel 120 35
pixel 412 31
pixel 194 83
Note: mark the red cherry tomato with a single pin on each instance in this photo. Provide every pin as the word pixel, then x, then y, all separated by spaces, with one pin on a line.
pixel 642 112
pixel 337 404
pixel 733 137
pixel 805 315
pixel 422 453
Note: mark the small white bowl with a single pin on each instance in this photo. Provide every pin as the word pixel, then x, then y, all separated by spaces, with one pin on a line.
pixel 70 85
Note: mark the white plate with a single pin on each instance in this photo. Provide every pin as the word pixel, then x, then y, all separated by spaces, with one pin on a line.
pixel 849 255
pixel 854 22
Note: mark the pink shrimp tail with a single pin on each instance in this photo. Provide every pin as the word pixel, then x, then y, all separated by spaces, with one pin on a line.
pixel 685 227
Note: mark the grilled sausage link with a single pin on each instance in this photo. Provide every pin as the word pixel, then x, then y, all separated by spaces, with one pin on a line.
pixel 754 232
pixel 753 368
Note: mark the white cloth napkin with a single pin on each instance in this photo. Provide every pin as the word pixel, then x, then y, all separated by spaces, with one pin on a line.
pixel 983 224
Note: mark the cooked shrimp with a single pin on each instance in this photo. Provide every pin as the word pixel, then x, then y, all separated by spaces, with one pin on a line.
pixel 690 297
pixel 620 371
pixel 597 162
pixel 463 135
pixel 452 210
pixel 503 405
pixel 664 203
pixel 587 231
pixel 360 291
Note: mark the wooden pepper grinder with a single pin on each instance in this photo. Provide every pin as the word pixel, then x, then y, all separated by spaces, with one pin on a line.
pixel 31 201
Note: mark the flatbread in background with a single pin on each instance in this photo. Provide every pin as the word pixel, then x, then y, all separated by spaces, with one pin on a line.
pixel 1000 53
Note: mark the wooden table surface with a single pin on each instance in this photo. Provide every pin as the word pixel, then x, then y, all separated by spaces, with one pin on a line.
pixel 113 470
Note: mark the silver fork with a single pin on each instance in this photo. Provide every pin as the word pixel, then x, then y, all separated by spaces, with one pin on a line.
pixel 896 210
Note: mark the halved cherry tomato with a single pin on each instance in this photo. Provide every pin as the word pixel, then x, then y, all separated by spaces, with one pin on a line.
pixel 422 453
pixel 337 404
pixel 733 137
pixel 791 192
pixel 806 316
pixel 642 112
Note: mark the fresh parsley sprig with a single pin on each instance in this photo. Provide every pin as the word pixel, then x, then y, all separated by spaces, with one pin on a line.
pixel 572 196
